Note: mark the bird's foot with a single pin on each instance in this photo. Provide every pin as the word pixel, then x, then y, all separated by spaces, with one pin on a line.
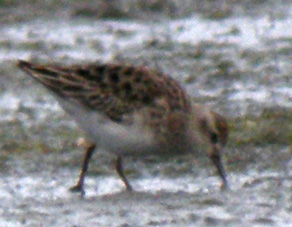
pixel 77 188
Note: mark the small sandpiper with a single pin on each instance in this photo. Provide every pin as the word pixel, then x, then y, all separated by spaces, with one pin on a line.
pixel 125 109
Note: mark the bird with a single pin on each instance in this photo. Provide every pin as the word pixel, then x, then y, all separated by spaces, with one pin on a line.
pixel 125 109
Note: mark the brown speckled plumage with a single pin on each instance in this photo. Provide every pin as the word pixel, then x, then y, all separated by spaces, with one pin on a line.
pixel 123 94
pixel 118 91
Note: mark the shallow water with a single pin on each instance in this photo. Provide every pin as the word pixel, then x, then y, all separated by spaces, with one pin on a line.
pixel 256 197
pixel 239 65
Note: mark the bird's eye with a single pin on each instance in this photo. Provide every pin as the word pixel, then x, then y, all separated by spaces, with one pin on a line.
pixel 214 138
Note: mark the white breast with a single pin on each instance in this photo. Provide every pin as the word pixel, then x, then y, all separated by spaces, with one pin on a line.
pixel 109 135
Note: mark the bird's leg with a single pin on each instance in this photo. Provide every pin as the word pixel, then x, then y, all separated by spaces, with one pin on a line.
pixel 216 159
pixel 89 152
pixel 120 171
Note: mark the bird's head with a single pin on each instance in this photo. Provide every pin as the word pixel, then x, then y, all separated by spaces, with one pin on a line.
pixel 213 132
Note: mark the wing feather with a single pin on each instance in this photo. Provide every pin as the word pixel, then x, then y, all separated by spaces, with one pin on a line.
pixel 112 89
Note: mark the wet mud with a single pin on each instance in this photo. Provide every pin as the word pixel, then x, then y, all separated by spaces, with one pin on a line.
pixel 234 57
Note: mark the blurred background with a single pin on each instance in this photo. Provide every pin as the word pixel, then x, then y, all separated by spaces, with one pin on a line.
pixel 232 55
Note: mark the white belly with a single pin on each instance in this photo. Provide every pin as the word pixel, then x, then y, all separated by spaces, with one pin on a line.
pixel 109 135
